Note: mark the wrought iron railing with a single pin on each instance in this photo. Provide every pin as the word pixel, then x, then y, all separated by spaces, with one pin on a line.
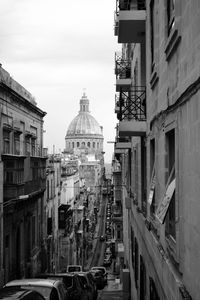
pixel 132 104
pixel 122 67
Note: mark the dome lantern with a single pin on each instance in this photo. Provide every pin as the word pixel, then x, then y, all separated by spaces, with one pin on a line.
pixel 84 104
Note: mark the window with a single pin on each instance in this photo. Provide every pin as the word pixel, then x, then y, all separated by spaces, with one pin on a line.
pixel 47 189
pixel 35 170
pixel 13 171
pixel 27 145
pixel 88 144
pixel 8 177
pixel 152 290
pixel 33 231
pixel 170 151
pixel 49 226
pixel 170 15
pixel 78 144
pixel 33 148
pixel 171 215
pixel 172 33
pixel 17 143
pixel 132 248
pixel 152 33
pixel 136 183
pixel 152 156
pixel 6 141
pixel 118 234
pixel 151 198
pixel 136 263
pixel 143 175
pixel 135 74
pixel 142 279
pixel 93 144
pixel 72 144
pixel 166 208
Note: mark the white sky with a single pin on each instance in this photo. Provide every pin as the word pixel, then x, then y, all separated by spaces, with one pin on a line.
pixel 55 48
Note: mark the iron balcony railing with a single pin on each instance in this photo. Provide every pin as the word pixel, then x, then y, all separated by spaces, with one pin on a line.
pixel 130 5
pixel 122 67
pixel 132 104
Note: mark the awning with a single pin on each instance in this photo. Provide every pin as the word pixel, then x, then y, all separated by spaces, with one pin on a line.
pixel 164 204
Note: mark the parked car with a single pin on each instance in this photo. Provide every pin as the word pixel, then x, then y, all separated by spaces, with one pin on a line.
pixel 107 261
pixel 104 272
pixel 86 281
pixel 93 283
pixel 108 250
pixel 74 268
pixel 98 278
pixel 51 289
pixel 11 293
pixel 72 284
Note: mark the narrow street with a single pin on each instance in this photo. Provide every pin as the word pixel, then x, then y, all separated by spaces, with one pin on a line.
pixel 113 290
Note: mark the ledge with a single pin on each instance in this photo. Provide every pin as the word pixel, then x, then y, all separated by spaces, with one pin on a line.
pixel 172 43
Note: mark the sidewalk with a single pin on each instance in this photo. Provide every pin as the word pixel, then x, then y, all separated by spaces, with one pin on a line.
pixel 113 290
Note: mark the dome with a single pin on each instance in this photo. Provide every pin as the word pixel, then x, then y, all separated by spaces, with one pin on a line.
pixel 84 123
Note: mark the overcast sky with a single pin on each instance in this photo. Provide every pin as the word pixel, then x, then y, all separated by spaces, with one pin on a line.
pixel 55 49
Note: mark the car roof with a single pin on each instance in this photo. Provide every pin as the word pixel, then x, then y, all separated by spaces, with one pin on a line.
pixel 15 292
pixel 99 268
pixel 33 281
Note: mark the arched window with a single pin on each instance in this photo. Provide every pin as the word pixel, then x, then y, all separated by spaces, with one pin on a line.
pixel 78 144
pixel 83 143
pixel 93 144
pixel 88 144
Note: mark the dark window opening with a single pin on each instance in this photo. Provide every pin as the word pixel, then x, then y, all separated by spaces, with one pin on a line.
pixel 152 34
pixel 152 290
pixel 170 15
pixel 136 263
pixel 143 175
pixel 170 165
pixel 142 279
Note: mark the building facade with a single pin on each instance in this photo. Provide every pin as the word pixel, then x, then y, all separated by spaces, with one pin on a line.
pixel 157 145
pixel 23 180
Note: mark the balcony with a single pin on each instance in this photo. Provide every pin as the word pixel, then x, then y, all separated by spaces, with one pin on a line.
pixel 123 145
pixel 132 104
pixel 122 72
pixel 12 191
pixel 130 19
pixel 34 187
pixel 132 128
pixel 13 176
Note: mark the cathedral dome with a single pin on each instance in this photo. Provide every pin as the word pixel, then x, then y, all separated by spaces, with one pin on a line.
pixel 84 123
